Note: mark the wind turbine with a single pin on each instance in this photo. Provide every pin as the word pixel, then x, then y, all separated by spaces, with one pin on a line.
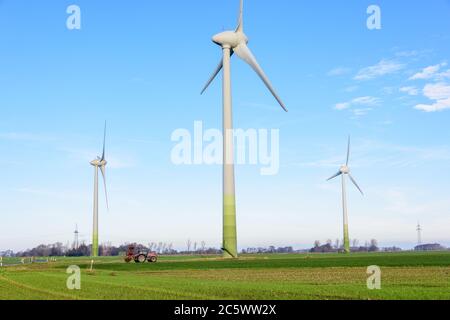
pixel 233 42
pixel 99 163
pixel 345 171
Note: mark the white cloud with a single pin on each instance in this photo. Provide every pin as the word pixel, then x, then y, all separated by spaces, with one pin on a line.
pixel 367 102
pixel 359 112
pixel 437 91
pixel 342 106
pixel 440 93
pixel 428 72
pixel 384 67
pixel 373 153
pixel 339 71
pixel 412 91
pixel 408 54
pixel 445 74
pixel 351 89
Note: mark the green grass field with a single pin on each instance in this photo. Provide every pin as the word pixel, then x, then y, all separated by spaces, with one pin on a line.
pixel 266 277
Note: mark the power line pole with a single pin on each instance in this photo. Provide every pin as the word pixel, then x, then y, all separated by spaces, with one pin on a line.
pixel 419 234
pixel 76 233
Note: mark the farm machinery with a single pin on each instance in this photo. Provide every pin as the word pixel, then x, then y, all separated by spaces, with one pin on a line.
pixel 140 256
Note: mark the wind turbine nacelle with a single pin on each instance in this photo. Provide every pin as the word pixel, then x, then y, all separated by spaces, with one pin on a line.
pixel 98 163
pixel 230 39
pixel 345 170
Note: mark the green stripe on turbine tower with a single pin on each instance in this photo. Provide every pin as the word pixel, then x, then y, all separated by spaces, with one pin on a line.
pixel 346 239
pixel 344 171
pixel 229 227
pixel 233 42
pixel 99 163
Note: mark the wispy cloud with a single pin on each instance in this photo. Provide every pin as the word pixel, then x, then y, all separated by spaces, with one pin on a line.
pixel 339 71
pixel 407 53
pixel 412 91
pixel 371 153
pixel 359 106
pixel 351 89
pixel 440 94
pixel 431 72
pixel 384 67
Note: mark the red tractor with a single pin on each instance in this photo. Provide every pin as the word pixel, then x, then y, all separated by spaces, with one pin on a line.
pixel 140 256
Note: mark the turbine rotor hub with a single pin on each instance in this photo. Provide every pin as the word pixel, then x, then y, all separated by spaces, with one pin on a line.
pixel 229 39
pixel 99 163
pixel 345 170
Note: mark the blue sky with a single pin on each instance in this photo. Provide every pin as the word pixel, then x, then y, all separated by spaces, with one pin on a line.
pixel 140 65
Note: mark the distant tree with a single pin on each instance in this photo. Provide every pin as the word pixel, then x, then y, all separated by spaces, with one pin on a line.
pixel 323 249
pixel 316 244
pixel 189 243
pixel 337 244
pixel 373 245
pixel 203 244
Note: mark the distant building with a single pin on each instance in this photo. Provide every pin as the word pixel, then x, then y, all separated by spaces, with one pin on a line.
pixel 429 247
pixel 327 248
pixel 7 253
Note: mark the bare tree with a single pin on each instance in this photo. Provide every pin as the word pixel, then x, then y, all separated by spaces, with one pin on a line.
pixel 373 245
pixel 316 243
pixel 337 244
pixel 203 244
pixel 189 243
pixel 159 247
pixel 195 246
pixel 355 243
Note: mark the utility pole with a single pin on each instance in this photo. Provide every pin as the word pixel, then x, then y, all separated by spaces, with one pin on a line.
pixel 76 233
pixel 419 234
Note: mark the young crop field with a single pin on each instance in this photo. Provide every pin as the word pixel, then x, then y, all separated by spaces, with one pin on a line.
pixel 266 277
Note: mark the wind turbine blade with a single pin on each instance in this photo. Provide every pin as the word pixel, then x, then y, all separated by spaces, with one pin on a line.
pixel 240 27
pixel 245 54
pixel 348 151
pixel 335 176
pixel 104 143
pixel 354 182
pixel 215 73
pixel 102 168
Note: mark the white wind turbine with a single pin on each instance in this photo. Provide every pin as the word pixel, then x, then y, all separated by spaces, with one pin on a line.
pixel 345 171
pixel 233 42
pixel 101 163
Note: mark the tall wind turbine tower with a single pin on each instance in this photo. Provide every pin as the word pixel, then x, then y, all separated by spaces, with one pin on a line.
pixel 75 240
pixel 99 163
pixel 233 42
pixel 419 234
pixel 344 171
